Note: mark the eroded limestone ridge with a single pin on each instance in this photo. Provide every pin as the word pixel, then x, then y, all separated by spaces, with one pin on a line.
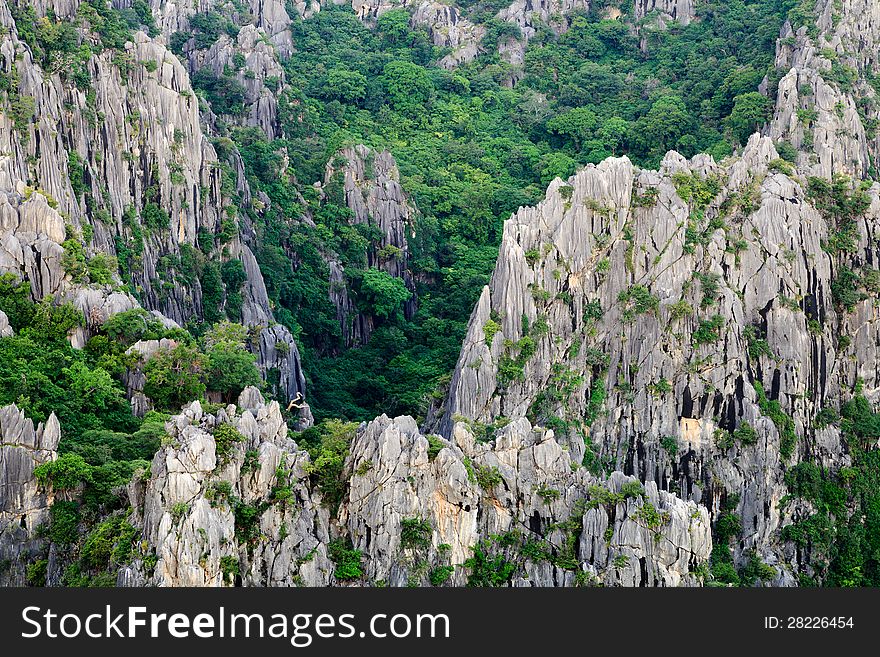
pixel 24 504
pixel 367 182
pixel 127 169
pixel 825 104
pixel 657 318
pixel 229 498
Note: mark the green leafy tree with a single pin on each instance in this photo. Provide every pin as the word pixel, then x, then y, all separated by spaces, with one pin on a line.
pixel 381 294
pixel 394 26
pixel 579 125
pixel 132 325
pixel 94 389
pixel 750 112
pixel 15 301
pixel 230 366
pixel 613 133
pixel 175 377
pixel 664 125
pixel 346 85
pixel 408 86
pixel 65 473
pixel 557 165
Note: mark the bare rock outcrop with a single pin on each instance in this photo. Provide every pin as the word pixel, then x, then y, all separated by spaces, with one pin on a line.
pixel 149 180
pixel 255 61
pixel 368 183
pixel 229 500
pixel 681 11
pixel 513 492
pixel 825 106
pixel 24 504
pixel 211 511
pixel 683 320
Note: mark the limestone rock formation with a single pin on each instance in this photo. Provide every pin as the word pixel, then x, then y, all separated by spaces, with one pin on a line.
pixel 449 29
pixel 190 508
pixel 621 292
pixel 519 488
pixel 651 355
pixel 681 11
pixel 32 233
pixel 5 329
pixel 24 505
pixel 825 107
pixel 144 159
pixel 260 68
pixel 370 189
pixel 445 23
pixel 209 503
pixel 269 16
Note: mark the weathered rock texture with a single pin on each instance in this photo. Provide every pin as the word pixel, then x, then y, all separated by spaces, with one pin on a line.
pixel 560 333
pixel 370 189
pixel 449 27
pixel 825 106
pixel 528 15
pixel 446 25
pixel 140 144
pixel 268 16
pixel 191 527
pixel 681 11
pixel 674 327
pixel 24 505
pixel 260 65
pixel 537 497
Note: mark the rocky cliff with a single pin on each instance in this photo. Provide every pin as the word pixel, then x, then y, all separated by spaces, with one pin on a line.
pixel 654 316
pixel 24 505
pixel 825 105
pixel 121 167
pixel 682 11
pixel 657 356
pixel 218 512
pixel 368 183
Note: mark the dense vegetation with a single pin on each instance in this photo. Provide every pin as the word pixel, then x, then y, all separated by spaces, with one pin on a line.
pixel 841 540
pixel 102 443
pixel 472 146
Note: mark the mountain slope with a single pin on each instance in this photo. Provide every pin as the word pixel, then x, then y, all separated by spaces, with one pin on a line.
pixel 669 379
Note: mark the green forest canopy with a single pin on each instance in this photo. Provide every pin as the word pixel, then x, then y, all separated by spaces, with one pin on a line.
pixel 472 148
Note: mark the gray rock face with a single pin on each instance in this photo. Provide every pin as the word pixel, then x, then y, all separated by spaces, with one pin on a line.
pixel 186 508
pixel 371 185
pixel 260 64
pixel 681 11
pixel 281 359
pixel 613 294
pixel 639 324
pixel 269 16
pixel 449 29
pixel 446 25
pixel 139 140
pixel 528 14
pixel 371 189
pixel 191 526
pixel 31 233
pixel 826 120
pixel 24 505
pixel 535 496
pixel 5 329
pixel 31 237
pixel 129 139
